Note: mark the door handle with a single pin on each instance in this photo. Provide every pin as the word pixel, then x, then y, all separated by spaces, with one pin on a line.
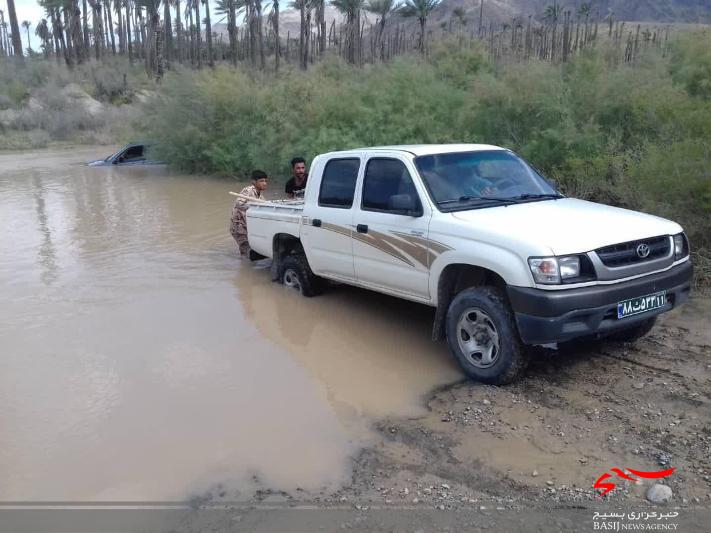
pixel 316 222
pixel 362 228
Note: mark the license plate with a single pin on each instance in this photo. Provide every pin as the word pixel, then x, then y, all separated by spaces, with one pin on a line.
pixel 642 304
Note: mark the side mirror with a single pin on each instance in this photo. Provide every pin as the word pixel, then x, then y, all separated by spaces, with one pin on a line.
pixel 405 204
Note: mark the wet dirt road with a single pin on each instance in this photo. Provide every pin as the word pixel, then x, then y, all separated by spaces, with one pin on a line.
pixel 142 361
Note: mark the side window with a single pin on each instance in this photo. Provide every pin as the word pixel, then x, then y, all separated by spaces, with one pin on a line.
pixel 338 183
pixel 134 153
pixel 384 180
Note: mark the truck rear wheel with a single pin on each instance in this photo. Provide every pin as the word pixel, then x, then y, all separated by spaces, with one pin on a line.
pixel 294 272
pixel 482 336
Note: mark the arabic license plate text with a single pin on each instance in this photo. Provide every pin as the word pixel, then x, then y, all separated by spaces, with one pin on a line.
pixel 642 304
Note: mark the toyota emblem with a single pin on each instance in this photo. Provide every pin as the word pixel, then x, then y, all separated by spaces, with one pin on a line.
pixel 643 250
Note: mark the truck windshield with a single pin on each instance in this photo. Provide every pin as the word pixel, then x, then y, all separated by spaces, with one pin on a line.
pixel 466 180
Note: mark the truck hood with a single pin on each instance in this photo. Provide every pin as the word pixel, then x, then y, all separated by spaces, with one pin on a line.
pixel 567 226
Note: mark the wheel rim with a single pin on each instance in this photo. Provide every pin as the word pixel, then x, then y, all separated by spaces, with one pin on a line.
pixel 478 338
pixel 291 279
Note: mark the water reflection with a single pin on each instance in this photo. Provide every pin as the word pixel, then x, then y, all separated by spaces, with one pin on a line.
pixel 373 353
pixel 47 257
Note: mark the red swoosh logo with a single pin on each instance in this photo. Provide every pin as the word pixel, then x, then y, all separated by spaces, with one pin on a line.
pixel 609 486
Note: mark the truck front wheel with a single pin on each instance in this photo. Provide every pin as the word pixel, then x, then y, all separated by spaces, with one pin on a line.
pixel 482 336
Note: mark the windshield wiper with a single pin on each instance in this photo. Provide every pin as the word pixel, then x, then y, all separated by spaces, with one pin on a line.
pixel 475 198
pixel 529 196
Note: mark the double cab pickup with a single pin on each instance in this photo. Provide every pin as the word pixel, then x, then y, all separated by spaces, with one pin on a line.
pixel 476 232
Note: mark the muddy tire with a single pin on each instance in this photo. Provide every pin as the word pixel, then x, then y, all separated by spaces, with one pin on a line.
pixel 294 272
pixel 634 333
pixel 482 336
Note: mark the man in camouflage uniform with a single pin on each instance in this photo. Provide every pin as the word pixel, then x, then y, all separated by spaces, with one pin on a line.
pixel 238 222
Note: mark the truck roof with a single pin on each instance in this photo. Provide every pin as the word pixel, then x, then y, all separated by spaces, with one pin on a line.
pixel 426 149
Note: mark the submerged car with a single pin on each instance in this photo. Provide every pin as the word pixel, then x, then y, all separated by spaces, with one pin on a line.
pixel 131 154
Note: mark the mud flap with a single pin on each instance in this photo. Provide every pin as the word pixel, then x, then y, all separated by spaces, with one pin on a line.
pixel 277 254
pixel 438 326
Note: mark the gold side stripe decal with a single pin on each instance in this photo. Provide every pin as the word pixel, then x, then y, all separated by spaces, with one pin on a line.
pixel 401 246
pixel 377 240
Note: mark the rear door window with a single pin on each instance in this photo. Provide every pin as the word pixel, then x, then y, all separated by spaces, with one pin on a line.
pixel 338 183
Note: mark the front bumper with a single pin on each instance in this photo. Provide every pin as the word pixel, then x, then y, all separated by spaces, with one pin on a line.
pixel 548 316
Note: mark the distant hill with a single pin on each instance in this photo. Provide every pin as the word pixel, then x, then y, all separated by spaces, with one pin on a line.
pixel 289 22
pixel 499 11
pixel 689 11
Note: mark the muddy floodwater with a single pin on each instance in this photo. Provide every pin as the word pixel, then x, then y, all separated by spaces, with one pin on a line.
pixel 140 360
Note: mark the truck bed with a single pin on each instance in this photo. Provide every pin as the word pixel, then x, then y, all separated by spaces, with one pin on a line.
pixel 264 220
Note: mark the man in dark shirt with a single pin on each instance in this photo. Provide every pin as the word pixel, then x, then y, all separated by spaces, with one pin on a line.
pixel 296 185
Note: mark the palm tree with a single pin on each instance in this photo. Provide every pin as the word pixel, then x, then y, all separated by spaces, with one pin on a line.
pixel 191 29
pixel 228 8
pixel 42 31
pixel 2 33
pixel 75 28
pixel 208 34
pixel 260 37
pixel 461 16
pixel 304 7
pixel 351 9
pixel 168 31
pixel 26 24
pixel 320 6
pixel 274 15
pixel 52 7
pixel 4 41
pixel 481 14
pixel 129 43
pixel 552 15
pixel 178 31
pixel 420 9
pixel 85 26
pixel 3 25
pixel 110 25
pixel 98 26
pixel 198 37
pixel 382 9
pixel 153 47
pixel 121 41
pixel 15 29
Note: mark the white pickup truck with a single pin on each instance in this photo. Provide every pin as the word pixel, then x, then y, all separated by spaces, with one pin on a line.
pixel 478 233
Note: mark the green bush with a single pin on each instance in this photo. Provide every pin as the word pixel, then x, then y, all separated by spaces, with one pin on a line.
pixel 691 63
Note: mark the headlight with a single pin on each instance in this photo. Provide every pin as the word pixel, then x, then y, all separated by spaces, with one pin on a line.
pixel 681 247
pixel 569 266
pixel 553 270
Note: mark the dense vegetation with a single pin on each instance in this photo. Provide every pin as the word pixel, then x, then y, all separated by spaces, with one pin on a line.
pixel 635 136
pixel 43 103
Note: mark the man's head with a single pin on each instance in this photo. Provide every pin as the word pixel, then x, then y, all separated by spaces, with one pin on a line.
pixel 260 179
pixel 298 167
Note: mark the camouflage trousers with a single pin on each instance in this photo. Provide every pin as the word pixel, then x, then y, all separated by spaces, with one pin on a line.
pixel 238 230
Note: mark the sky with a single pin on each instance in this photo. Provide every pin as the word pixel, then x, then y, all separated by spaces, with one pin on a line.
pixel 26 10
pixel 30 10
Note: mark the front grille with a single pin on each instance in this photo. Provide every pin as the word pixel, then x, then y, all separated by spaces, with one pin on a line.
pixel 626 253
